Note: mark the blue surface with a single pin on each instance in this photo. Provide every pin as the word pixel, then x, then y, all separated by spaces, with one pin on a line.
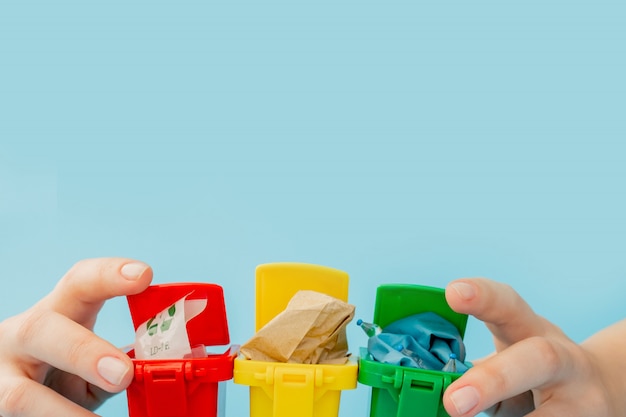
pixel 398 141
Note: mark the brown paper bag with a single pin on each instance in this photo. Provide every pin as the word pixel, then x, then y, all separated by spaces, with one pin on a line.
pixel 311 330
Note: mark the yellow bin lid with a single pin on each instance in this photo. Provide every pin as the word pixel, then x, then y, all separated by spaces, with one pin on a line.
pixel 277 283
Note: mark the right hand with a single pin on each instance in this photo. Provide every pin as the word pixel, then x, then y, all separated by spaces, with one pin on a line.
pixel 537 370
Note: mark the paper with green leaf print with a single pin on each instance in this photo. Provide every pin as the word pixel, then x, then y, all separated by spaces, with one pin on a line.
pixel 165 336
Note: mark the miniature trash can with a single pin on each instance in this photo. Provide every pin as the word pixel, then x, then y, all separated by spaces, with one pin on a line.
pixel 288 389
pixel 399 391
pixel 182 387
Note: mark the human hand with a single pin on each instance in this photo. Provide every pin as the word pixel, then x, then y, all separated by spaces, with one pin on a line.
pixel 51 363
pixel 536 370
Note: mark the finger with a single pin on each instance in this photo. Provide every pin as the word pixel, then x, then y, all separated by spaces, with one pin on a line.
pixel 81 293
pixel 75 389
pixel 556 410
pixel 54 339
pixel 529 364
pixel 21 396
pixel 478 361
pixel 519 405
pixel 559 407
pixel 505 313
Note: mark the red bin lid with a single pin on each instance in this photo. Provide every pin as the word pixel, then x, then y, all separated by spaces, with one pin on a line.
pixel 209 328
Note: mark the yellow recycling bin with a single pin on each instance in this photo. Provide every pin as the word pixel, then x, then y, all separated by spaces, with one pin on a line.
pixel 289 389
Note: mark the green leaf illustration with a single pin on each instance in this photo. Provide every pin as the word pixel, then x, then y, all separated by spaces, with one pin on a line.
pixel 166 325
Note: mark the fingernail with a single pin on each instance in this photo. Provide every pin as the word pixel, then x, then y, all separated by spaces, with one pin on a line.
pixel 464 399
pixel 465 291
pixel 133 271
pixel 112 369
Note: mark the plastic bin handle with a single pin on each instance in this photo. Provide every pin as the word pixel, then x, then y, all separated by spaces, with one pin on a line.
pixel 294 389
pixel 420 395
pixel 165 389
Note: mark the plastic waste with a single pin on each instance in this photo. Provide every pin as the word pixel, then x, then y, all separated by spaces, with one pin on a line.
pixel 450 366
pixel 370 329
pixel 198 351
pixel 408 352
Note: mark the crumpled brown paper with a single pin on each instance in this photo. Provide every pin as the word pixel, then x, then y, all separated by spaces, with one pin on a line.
pixel 311 330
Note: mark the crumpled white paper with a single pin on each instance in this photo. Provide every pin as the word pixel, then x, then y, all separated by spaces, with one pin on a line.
pixel 165 336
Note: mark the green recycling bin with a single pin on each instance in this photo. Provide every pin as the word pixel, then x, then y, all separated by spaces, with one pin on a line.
pixel 399 391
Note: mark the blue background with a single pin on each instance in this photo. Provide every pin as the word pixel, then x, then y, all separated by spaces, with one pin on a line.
pixel 400 141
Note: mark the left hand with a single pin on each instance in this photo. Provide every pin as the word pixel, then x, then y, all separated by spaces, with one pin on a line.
pixel 51 363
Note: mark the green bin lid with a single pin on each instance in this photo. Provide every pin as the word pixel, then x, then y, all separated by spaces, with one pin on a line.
pixel 396 301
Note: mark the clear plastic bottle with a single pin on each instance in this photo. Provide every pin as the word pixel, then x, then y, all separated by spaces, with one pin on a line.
pixel 408 352
pixel 370 329
pixel 451 365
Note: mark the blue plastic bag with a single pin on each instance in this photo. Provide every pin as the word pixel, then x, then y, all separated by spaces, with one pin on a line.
pixel 427 340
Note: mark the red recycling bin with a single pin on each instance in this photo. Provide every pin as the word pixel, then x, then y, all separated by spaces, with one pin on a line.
pixel 182 387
